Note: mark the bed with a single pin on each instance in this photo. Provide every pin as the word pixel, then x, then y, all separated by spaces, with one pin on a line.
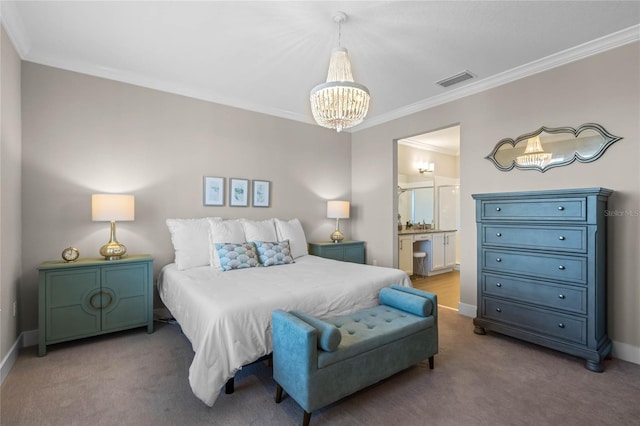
pixel 226 315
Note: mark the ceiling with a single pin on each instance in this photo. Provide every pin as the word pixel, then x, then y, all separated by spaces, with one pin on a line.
pixel 266 56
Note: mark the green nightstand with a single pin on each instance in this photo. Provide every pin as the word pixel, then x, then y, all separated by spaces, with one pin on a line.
pixel 94 296
pixel 347 251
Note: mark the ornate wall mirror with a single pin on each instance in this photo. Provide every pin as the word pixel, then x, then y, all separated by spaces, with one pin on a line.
pixel 552 147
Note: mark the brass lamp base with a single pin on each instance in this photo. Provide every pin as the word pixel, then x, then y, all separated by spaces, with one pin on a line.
pixel 113 250
pixel 337 236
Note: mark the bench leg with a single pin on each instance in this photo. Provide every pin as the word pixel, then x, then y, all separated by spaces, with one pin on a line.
pixel 306 419
pixel 229 386
pixel 431 362
pixel 278 393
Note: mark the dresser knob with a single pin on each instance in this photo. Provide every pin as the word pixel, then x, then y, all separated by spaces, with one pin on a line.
pixel 498 310
pixel 498 234
pixel 561 296
pixel 561 238
pixel 498 209
pixel 498 285
pixel 561 267
pixel 498 259
pixel 560 208
pixel 561 325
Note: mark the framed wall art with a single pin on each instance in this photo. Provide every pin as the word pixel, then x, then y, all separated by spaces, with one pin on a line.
pixel 213 193
pixel 238 192
pixel 261 193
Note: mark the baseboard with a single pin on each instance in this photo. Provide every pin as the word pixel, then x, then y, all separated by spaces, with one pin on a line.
pixel 10 359
pixel 467 310
pixel 626 352
pixel 29 338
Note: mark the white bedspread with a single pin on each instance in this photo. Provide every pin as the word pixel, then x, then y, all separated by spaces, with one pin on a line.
pixel 227 315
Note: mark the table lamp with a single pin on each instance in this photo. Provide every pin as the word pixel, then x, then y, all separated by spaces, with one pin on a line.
pixel 110 208
pixel 337 210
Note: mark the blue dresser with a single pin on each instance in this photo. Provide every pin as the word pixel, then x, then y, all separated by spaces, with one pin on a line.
pixel 542 269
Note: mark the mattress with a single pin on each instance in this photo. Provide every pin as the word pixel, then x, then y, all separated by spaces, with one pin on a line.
pixel 227 315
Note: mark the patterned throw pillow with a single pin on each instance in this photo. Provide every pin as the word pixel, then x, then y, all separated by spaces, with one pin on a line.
pixel 271 254
pixel 237 256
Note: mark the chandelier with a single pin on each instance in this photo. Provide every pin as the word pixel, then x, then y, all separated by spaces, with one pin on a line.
pixel 534 155
pixel 339 103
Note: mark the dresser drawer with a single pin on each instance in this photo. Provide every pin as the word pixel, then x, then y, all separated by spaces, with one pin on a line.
pixel 555 267
pixel 564 297
pixel 559 209
pixel 566 327
pixel 531 237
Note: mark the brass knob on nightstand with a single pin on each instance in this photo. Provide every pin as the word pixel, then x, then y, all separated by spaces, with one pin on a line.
pixel 561 296
pixel 561 238
pixel 498 234
pixel 561 267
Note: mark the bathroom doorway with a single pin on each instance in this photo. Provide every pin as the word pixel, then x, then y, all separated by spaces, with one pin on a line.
pixel 428 212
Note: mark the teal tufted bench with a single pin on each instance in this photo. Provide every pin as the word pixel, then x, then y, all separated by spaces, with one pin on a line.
pixel 317 362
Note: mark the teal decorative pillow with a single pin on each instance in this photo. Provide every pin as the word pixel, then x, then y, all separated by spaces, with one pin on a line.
pixel 274 253
pixel 237 256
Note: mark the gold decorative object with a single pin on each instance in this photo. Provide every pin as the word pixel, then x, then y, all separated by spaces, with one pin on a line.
pixel 110 208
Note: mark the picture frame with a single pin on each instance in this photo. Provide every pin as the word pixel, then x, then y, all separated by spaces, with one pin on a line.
pixel 213 193
pixel 238 192
pixel 261 193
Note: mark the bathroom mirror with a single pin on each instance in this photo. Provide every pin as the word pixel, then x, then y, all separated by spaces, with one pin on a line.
pixel 416 204
pixel 552 147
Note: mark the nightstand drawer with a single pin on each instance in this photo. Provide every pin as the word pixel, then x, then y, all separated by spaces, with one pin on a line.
pixel 566 327
pixel 562 209
pixel 564 297
pixel 540 238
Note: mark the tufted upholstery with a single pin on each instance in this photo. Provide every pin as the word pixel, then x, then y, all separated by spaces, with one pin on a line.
pixel 375 343
pixel 370 328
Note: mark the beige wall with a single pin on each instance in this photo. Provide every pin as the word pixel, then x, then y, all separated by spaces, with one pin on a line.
pixel 84 135
pixel 604 89
pixel 10 191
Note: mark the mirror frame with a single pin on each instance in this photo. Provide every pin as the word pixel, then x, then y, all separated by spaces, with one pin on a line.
pixel 609 139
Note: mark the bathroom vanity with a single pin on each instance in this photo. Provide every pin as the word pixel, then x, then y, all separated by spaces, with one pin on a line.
pixel 440 246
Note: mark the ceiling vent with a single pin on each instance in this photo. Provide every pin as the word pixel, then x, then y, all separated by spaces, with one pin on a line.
pixel 455 79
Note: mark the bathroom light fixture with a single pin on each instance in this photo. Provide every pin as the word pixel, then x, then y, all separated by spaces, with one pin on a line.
pixel 337 210
pixel 110 208
pixel 534 155
pixel 426 167
pixel 339 103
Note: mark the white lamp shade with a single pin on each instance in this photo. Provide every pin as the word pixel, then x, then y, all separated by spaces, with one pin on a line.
pixel 338 209
pixel 112 207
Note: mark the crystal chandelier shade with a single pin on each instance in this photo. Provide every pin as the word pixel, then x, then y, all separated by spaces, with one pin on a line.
pixel 534 155
pixel 339 103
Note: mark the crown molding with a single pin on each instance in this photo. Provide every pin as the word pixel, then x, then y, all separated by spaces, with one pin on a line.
pixel 13 25
pixel 12 22
pixel 602 44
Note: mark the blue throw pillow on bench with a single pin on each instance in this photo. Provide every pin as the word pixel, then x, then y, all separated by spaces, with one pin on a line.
pixel 329 336
pixel 412 303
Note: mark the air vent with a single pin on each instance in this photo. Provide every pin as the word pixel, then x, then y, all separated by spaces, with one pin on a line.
pixel 455 79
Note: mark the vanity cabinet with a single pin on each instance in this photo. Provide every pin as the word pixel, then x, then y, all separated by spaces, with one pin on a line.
pixel 405 253
pixel 442 254
pixel 94 296
pixel 542 269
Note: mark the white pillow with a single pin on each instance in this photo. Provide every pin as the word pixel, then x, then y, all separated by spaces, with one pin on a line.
pixel 223 231
pixel 259 230
pixel 292 231
pixel 190 238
